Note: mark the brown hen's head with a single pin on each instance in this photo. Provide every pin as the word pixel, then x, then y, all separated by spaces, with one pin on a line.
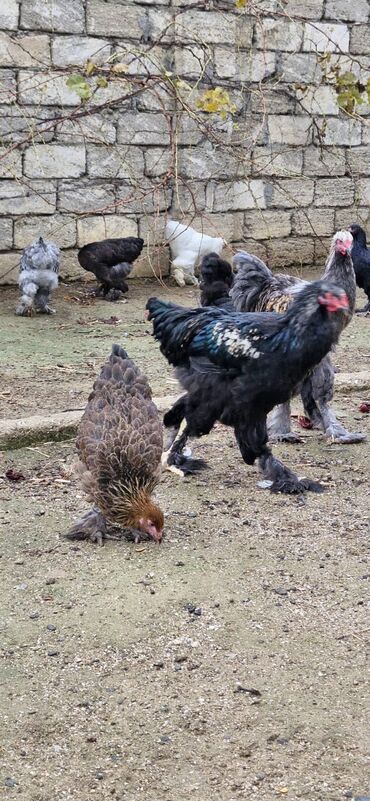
pixel 153 522
pixel 138 511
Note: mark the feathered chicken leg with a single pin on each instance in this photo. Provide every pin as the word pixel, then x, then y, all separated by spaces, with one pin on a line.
pixel 316 394
pixel 41 301
pixel 173 458
pixel 93 526
pixel 25 303
pixel 282 479
pixel 252 441
pixel 115 294
pixel 176 456
pixel 178 459
pixel 278 425
pixel 172 420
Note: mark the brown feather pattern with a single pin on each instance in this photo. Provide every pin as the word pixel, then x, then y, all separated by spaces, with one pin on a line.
pixel 279 303
pixel 119 443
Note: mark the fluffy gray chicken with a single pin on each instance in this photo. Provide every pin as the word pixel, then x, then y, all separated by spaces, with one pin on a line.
pixel 38 276
pixel 255 288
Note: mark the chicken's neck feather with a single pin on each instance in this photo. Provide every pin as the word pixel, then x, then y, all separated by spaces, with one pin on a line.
pixel 339 270
pixel 125 505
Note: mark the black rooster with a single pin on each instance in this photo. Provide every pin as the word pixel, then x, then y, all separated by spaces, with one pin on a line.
pixel 361 262
pixel 216 281
pixel 111 261
pixel 236 367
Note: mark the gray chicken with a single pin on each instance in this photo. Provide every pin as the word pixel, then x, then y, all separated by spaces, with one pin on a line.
pixel 38 276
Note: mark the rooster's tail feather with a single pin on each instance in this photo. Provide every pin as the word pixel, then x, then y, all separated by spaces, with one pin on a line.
pixel 174 327
pixel 252 279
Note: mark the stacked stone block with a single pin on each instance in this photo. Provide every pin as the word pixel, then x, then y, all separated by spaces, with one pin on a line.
pixel 278 175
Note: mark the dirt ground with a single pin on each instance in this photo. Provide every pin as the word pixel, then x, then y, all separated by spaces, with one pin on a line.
pixel 228 663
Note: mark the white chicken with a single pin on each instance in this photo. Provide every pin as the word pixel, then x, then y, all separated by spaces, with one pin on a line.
pixel 38 276
pixel 188 247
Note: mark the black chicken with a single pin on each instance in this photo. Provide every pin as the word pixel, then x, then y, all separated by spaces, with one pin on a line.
pixel 236 367
pixel 111 262
pixel 216 281
pixel 361 262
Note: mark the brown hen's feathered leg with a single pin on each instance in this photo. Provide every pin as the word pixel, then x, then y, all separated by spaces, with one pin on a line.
pixel 278 425
pixel 91 526
pixel 94 527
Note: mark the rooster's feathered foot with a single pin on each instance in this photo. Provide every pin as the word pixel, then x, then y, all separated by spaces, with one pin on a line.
pixel 334 430
pixel 177 459
pixel 281 479
pixel 344 437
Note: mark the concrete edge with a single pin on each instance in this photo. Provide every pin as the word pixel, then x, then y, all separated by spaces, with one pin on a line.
pixel 63 425
pixel 56 427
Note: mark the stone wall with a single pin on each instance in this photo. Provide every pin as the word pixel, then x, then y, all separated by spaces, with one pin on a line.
pixel 279 169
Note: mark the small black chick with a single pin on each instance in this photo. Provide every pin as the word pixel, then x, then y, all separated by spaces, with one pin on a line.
pixel 111 262
pixel 361 262
pixel 216 281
